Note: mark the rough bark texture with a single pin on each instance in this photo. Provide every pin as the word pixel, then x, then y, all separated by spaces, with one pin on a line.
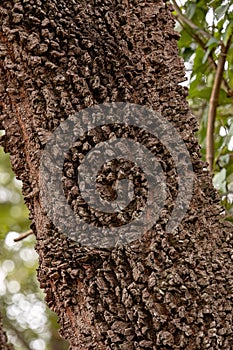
pixel 3 338
pixel 164 291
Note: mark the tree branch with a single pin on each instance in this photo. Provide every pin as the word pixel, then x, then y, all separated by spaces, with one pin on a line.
pixel 188 21
pixel 23 235
pixel 214 104
pixel 187 25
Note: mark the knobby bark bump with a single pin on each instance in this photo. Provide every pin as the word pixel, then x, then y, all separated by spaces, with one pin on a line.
pixel 4 345
pixel 165 290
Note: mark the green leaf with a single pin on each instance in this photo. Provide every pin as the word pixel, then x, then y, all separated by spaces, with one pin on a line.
pixel 223 98
pixel 214 3
pixel 224 160
pixel 205 58
pixel 230 15
pixel 185 40
pixel 187 53
pixel 220 26
pixel 228 32
pixel 221 11
pixel 229 169
pixel 212 42
pixel 203 93
pixel 230 177
pixel 191 10
pixel 198 61
pixel 199 16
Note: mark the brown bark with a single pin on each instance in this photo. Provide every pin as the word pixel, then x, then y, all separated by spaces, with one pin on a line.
pixel 164 291
pixel 4 345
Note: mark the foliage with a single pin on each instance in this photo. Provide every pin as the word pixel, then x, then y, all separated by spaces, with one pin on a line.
pixel 30 324
pixel 205 28
pixel 13 215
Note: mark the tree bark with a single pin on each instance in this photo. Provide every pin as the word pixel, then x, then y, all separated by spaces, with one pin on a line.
pixel 4 345
pixel 165 290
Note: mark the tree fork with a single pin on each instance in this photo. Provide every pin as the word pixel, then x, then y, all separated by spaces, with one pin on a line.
pixel 165 290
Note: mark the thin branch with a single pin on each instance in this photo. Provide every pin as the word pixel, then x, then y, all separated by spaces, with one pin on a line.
pixel 188 21
pixel 23 235
pixel 214 104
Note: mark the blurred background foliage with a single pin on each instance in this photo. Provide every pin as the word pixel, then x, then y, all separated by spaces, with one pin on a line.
pixel 205 27
pixel 30 324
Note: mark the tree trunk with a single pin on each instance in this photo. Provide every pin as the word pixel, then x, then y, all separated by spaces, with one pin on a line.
pixel 165 290
pixel 3 338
